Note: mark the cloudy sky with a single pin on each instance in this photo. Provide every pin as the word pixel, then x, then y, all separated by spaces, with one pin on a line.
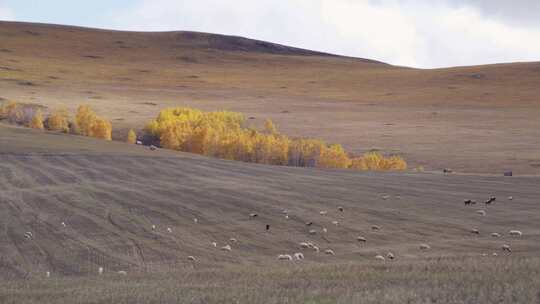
pixel 426 34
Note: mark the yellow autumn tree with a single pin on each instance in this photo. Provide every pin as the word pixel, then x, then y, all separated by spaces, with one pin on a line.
pixel 37 121
pixel 87 123
pixel 374 161
pixel 58 121
pixel 131 137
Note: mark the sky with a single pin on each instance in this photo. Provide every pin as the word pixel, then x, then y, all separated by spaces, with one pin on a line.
pixel 416 33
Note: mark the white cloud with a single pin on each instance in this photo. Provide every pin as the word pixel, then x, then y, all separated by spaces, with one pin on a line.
pixel 407 32
pixel 6 14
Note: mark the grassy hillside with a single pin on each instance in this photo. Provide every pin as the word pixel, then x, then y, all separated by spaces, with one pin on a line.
pixel 472 119
pixel 109 195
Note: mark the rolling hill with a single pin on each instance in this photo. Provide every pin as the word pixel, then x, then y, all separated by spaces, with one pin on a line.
pixel 479 119
pixel 89 203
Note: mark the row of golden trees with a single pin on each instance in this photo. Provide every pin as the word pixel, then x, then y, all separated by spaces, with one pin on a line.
pixel 223 135
pixel 85 122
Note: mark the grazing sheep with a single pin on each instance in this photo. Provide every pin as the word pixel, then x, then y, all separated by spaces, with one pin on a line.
pixel 28 235
pixel 324 230
pixel 309 223
pixel 385 197
pixel 169 229
pixel 510 198
pixel 64 224
pixel 226 248
pixel 515 233
pixel 390 255
pixel 305 245
pixel 153 148
pixel 484 254
pixel 323 212
pixel 375 227
pixel 495 254
pixel 285 257
pixel 48 274
pixel 139 143
pixel 233 240
pixel 425 247
pixel 506 247
pixel 495 234
pixel 100 270
pixel 447 171
pixel 336 223
pixel 285 211
pixel 481 212
pixel 286 216
pixel 253 215
pixel 196 220
pixel 316 248
pixel 122 272
pixel 153 227
pixel 299 256
pixel 490 200
pixel 312 232
pixel 214 244
pixel 379 257
pixel 340 208
pixel 475 231
pixel 329 252
pixel 192 258
pixel 361 239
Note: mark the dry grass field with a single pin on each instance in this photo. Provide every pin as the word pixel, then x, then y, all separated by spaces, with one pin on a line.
pixel 480 119
pixel 109 194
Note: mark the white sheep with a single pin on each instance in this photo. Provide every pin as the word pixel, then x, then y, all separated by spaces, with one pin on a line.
pixel 336 223
pixel 323 212
pixel 299 256
pixel 169 229
pixel 340 209
pixel 192 258
pixel 379 257
pixel 312 231
pixel 324 230
pixel 515 233
pixel 48 274
pixel 495 234
pixel 375 227
pixel 100 270
pixel 506 247
pixel 495 254
pixel 316 248
pixel 253 215
pixel 63 224
pixel 233 240
pixel 122 272
pixel 510 198
pixel 304 245
pixel 425 247
pixel 361 239
pixel 481 212
pixel 154 227
pixel 475 231
pixel 385 197
pixel 329 252
pixel 226 248
pixel 286 216
pixel 139 143
pixel 28 235
pixel 196 220
pixel 214 244
pixel 285 257
pixel 390 255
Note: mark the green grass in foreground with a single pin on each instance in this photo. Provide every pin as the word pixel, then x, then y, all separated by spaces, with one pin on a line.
pixel 471 280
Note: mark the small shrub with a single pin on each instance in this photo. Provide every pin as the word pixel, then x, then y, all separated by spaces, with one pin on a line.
pixel 58 121
pixel 37 121
pixel 131 137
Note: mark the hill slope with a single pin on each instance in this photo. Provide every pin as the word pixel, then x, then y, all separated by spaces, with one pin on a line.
pixel 472 119
pixel 110 194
